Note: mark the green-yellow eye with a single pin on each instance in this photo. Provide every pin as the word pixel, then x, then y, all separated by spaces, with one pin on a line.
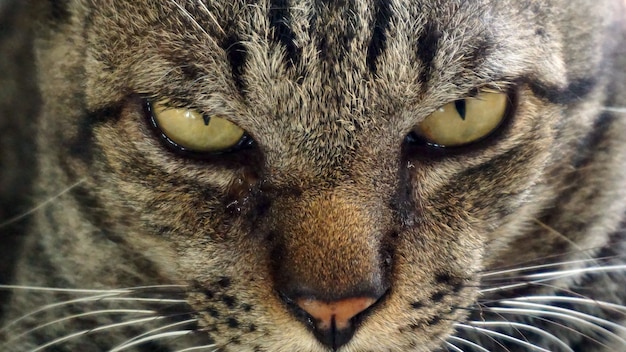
pixel 193 131
pixel 464 121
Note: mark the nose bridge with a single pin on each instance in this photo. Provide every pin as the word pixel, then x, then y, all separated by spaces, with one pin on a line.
pixel 330 243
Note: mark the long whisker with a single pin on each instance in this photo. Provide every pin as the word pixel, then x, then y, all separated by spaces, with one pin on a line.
pixel 198 348
pixel 562 237
pixel 71 317
pixel 107 296
pixel 564 273
pixel 543 266
pixel 614 109
pixel 150 332
pixel 91 331
pixel 570 312
pixel 42 204
pixel 473 345
pixel 503 337
pixel 122 290
pixel 453 347
pixel 554 275
pixel 527 327
pixel 547 258
pixel 62 290
pixel 578 300
pixel 566 317
pixel 55 305
pixel 152 338
pixel 552 322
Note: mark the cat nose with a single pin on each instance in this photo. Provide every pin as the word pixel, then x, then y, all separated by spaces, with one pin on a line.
pixel 334 323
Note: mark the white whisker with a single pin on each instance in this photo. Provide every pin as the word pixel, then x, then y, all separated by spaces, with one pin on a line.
pixel 152 338
pixel 150 300
pixel 566 311
pixel 578 300
pixel 102 298
pixel 97 312
pixel 503 337
pixel 543 266
pixel 526 327
pixel 123 290
pixel 473 345
pixel 198 348
pixel 90 331
pixel 63 290
pixel 569 318
pixel 55 305
pixel 453 347
pixel 614 109
pixel 150 332
pixel 565 273
pixel 41 205
pixel 554 275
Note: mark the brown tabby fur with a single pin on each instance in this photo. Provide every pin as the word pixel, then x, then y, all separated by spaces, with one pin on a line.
pixel 331 197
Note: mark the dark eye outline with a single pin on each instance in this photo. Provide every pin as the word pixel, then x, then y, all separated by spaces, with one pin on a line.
pixel 246 142
pixel 422 146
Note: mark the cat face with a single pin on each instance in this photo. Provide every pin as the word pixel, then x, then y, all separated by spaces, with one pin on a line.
pixel 337 215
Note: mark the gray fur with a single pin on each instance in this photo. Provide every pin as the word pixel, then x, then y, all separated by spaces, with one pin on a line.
pixel 331 196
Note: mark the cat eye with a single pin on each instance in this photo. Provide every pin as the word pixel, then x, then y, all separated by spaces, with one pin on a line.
pixel 464 121
pixel 192 131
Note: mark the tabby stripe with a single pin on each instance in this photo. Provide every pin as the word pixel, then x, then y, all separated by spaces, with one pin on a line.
pixel 378 43
pixel 59 10
pixel 427 45
pixel 81 146
pixel 333 25
pixel 585 152
pixel 237 54
pixel 480 52
pixel 588 146
pixel 280 21
pixel 490 169
pixel 576 90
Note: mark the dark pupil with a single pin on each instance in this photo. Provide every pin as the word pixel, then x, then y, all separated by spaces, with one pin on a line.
pixel 460 108
pixel 206 119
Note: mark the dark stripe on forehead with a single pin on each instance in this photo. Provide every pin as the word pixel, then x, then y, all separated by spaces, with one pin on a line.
pixel 479 53
pixel 280 21
pixel 333 24
pixel 378 43
pixel 577 89
pixel 427 45
pixel 237 54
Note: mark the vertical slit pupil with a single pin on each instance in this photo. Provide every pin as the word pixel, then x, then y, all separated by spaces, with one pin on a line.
pixel 460 108
pixel 206 119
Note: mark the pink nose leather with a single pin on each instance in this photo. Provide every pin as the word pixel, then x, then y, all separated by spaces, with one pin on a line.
pixel 336 314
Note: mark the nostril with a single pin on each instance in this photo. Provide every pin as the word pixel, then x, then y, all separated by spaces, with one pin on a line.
pixel 335 314
pixel 334 322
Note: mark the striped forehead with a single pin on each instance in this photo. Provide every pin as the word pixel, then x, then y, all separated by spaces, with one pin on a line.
pixel 335 36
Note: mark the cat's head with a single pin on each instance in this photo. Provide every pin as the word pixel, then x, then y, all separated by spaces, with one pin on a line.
pixel 319 174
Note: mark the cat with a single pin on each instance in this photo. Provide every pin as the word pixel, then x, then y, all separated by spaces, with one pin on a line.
pixel 351 176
